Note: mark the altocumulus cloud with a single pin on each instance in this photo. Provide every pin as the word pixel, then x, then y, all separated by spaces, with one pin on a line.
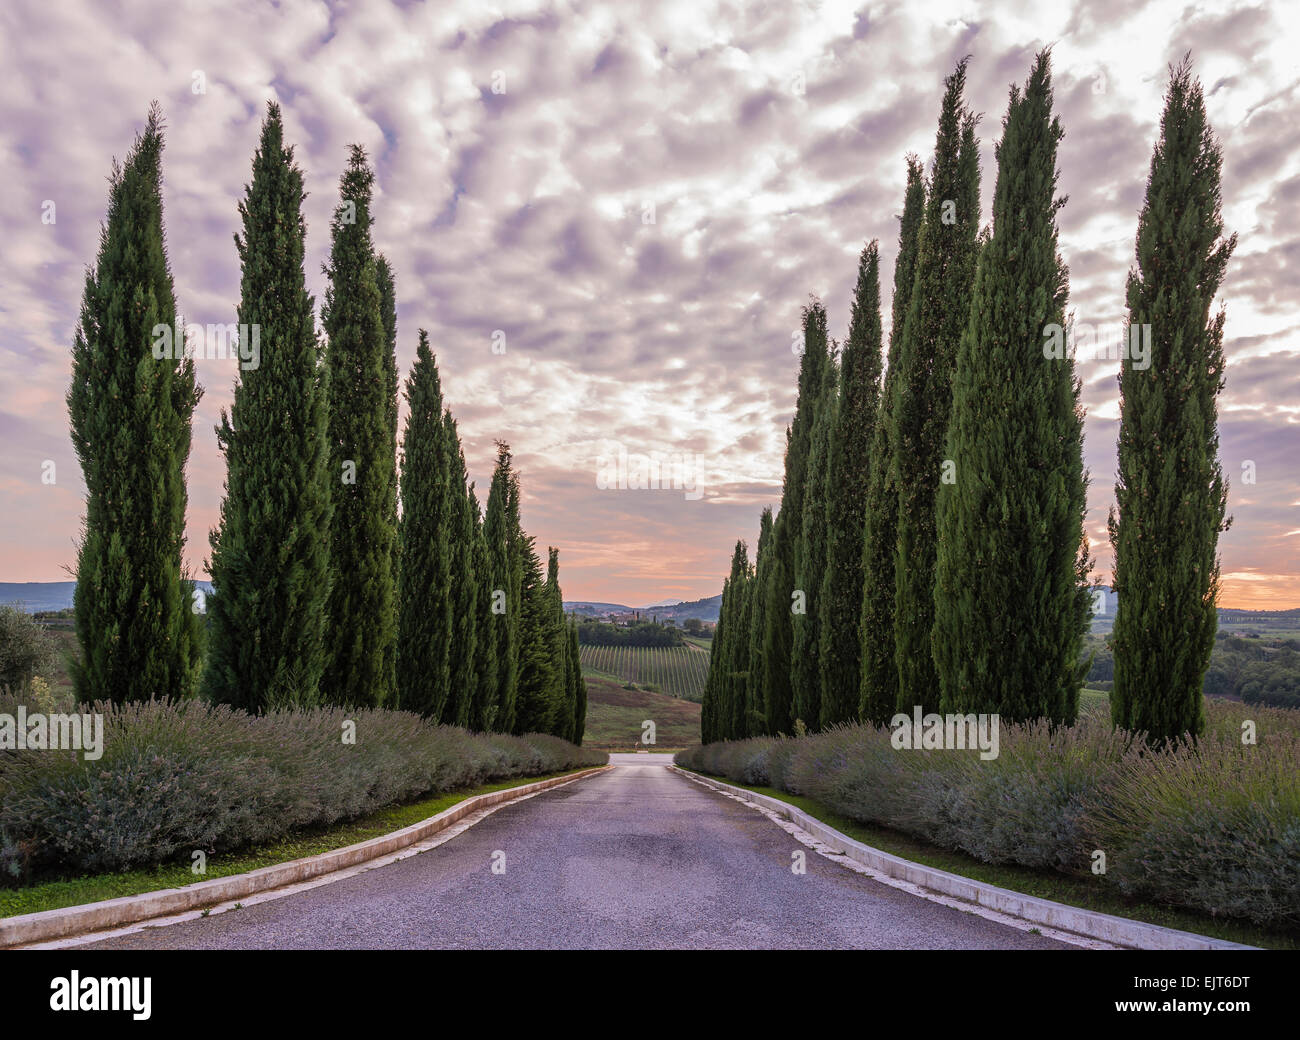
pixel 642 212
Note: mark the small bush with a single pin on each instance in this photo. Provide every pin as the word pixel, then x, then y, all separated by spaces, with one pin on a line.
pixel 26 648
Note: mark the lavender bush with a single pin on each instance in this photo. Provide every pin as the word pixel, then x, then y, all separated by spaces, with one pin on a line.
pixel 1213 826
pixel 175 777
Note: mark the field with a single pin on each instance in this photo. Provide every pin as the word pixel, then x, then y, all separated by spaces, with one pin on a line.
pixel 676 670
pixel 616 716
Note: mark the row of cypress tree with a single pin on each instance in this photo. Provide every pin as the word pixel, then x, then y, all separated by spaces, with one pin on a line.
pixel 325 592
pixel 929 548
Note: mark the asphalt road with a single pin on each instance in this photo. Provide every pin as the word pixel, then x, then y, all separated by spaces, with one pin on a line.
pixel 638 857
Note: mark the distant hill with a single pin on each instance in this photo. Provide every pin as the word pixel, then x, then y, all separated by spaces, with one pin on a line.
pixel 35 596
pixel 704 609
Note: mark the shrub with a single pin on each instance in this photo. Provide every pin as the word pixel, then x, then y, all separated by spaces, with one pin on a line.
pixel 175 777
pixel 1212 826
pixel 26 648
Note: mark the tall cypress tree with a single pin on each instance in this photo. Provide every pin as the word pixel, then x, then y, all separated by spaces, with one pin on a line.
pixel 463 590
pixel 754 705
pixel 486 670
pixel 563 707
pixel 269 566
pixel 535 707
pixel 1011 595
pixel 938 309
pixel 579 685
pixel 778 619
pixel 879 679
pixel 810 557
pixel 362 607
pixel 847 478
pixel 425 604
pixel 739 703
pixel 500 530
pixel 1171 493
pixel 717 709
pixel 388 313
pixel 130 412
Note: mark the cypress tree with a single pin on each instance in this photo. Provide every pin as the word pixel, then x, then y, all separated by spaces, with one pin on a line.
pixel 1011 595
pixel 757 716
pixel 564 708
pixel 810 557
pixel 534 708
pixel 879 678
pixel 362 607
pixel 716 711
pixel 500 528
pixel 579 686
pixel 848 473
pixel 486 669
pixel 388 313
pixel 778 619
pixel 426 606
pixel 130 412
pixel 463 590
pixel 1171 493
pixel 938 309
pixel 731 648
pixel 739 703
pixel 270 568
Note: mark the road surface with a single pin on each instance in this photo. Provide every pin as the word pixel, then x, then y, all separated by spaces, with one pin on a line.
pixel 639 857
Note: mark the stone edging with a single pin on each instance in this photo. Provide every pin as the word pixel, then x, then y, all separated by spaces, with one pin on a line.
pixel 125 910
pixel 1120 931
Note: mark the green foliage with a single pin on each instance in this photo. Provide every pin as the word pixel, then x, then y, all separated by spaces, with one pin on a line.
pixel 810 557
pixel 850 441
pixel 778 619
pixel 425 607
pixel 269 565
pixel 938 307
pixel 537 666
pixel 1171 494
pixel 486 668
pixel 638 633
pixel 757 682
pixel 178 777
pixel 362 607
pixel 1210 827
pixel 130 417
pixel 723 711
pixel 462 592
pixel 1011 597
pixel 26 648
pixel 578 684
pixel 502 533
pixel 879 674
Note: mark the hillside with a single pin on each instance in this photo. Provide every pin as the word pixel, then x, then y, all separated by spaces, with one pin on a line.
pixel 616 716
pixel 704 609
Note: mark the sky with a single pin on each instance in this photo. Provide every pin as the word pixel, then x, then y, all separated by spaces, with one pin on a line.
pixel 609 217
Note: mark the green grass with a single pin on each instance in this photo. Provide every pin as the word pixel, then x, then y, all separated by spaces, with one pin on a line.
pixel 615 717
pixel 1059 888
pixel 51 895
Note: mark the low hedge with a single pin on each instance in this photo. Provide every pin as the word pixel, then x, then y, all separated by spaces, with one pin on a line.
pixel 178 777
pixel 1213 827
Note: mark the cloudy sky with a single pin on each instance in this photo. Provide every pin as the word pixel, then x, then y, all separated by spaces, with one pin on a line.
pixel 640 197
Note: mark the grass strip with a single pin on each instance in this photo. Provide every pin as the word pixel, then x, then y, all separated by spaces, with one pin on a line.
pixel 1060 888
pixel 58 893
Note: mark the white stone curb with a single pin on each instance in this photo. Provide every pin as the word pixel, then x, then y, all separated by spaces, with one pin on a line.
pixel 929 881
pixel 68 921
